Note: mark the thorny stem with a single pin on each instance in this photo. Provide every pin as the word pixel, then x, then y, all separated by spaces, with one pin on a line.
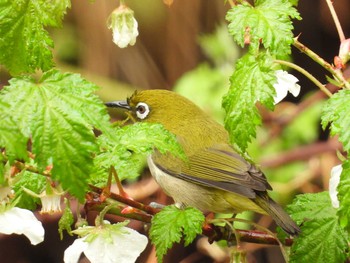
pixel 146 208
pixel 267 231
pixel 306 74
pixel 336 20
pixel 335 72
pixel 251 236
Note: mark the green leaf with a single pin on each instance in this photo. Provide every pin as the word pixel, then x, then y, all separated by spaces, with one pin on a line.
pixel 11 137
pixel 251 82
pixel 304 207
pixel 59 112
pixel 170 224
pixel 32 181
pixel 24 44
pixel 66 220
pixel 344 196
pixel 336 113
pixel 322 239
pixel 267 23
pixel 126 148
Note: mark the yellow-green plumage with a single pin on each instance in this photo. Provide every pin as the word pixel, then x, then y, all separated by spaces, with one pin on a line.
pixel 215 178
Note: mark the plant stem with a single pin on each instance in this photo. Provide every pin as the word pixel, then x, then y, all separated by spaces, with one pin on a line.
pixel 306 74
pixel 335 72
pixel 336 20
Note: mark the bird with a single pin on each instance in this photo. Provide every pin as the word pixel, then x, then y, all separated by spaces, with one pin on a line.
pixel 214 177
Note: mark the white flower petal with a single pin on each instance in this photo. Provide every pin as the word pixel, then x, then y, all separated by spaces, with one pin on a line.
pixel 285 82
pixel 21 221
pixel 333 184
pixel 73 252
pixel 281 93
pixel 51 203
pixel 295 90
pixel 125 248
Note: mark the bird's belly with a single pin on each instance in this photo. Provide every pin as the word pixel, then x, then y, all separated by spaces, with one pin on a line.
pixel 204 198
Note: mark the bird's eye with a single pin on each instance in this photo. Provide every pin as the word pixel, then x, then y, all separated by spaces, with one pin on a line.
pixel 142 110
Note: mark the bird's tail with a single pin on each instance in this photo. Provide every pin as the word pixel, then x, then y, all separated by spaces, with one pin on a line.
pixel 277 213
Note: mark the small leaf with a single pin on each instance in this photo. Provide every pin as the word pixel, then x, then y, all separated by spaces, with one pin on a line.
pixel 170 224
pixel 252 81
pixel 25 45
pixel 336 113
pixel 31 181
pixel 267 23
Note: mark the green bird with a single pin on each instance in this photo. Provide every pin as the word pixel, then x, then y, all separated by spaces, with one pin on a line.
pixel 215 178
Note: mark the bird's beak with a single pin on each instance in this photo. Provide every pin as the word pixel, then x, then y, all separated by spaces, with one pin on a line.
pixel 118 104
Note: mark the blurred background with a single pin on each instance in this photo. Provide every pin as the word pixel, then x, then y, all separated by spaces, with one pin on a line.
pixel 185 47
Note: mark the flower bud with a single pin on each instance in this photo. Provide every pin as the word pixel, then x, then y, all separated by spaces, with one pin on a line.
pixel 124 26
pixel 344 51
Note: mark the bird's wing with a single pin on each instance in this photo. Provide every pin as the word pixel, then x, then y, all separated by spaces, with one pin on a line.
pixel 220 167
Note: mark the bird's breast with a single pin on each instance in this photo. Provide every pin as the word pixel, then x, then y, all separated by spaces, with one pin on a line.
pixel 189 194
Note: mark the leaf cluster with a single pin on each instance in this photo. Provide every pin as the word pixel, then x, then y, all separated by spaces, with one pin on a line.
pixel 25 44
pixel 126 148
pixel 267 28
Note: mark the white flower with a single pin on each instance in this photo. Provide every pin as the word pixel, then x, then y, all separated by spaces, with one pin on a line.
pixel 21 221
pixel 333 184
pixel 50 203
pixel 124 26
pixel 50 199
pixel 285 82
pixel 107 244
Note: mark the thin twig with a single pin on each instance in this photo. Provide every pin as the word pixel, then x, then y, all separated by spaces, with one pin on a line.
pixel 336 20
pixel 335 72
pixel 146 208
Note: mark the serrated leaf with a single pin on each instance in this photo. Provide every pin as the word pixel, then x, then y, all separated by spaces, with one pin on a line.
pixel 304 207
pixel 32 181
pixel 59 112
pixel 321 238
pixel 336 113
pixel 251 82
pixel 344 196
pixel 170 224
pixel 268 22
pixel 25 45
pixel 11 138
pixel 127 148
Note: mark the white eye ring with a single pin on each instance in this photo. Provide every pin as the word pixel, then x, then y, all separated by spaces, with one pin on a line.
pixel 142 110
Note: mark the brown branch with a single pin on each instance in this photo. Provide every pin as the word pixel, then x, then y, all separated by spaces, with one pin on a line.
pixel 146 208
pixel 214 233
pixel 302 153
